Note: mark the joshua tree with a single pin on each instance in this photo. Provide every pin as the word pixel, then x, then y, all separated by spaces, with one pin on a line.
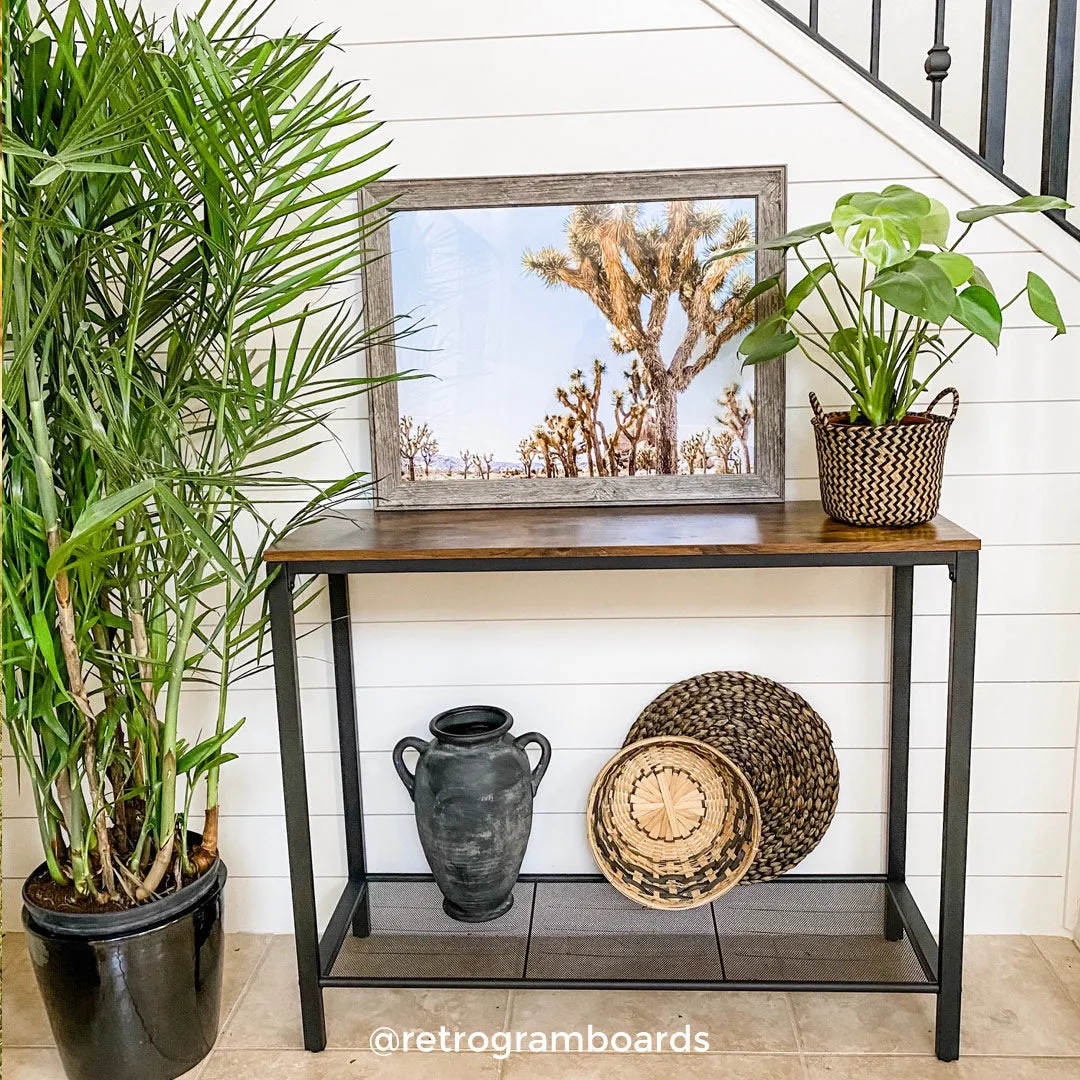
pixel 429 448
pixel 721 445
pixel 558 438
pixel 412 443
pixel 737 419
pixel 466 461
pixel 646 458
pixel 631 271
pixel 483 463
pixel 583 403
pixel 543 444
pixel 695 451
pixel 632 407
pixel 527 450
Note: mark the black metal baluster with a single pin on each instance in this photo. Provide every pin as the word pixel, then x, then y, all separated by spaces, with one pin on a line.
pixel 875 38
pixel 814 15
pixel 995 84
pixel 938 62
pixel 1057 115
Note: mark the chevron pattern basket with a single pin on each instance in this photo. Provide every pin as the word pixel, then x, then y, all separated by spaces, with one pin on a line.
pixel 889 475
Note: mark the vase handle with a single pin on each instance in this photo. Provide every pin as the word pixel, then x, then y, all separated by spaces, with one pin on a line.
pixel 955 401
pixel 819 412
pixel 545 754
pixel 407 778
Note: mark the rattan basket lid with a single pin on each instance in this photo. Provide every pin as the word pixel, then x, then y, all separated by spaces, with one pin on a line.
pixel 779 742
pixel 672 822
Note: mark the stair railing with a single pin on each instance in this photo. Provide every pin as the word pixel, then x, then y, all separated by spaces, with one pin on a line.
pixel 1057 111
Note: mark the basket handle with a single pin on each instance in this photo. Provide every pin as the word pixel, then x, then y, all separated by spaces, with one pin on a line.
pixel 819 412
pixel 955 404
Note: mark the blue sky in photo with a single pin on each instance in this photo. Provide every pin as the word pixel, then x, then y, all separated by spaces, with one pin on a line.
pixel 499 340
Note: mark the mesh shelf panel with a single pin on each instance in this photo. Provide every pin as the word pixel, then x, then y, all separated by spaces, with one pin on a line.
pixel 819 931
pixel 784 931
pixel 586 930
pixel 413 938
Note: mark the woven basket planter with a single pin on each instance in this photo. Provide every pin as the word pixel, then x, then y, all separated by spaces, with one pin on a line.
pixel 889 475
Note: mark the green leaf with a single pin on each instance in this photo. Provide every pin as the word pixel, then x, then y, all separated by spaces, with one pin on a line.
pixel 205 750
pixel 789 240
pixel 803 288
pixel 980 279
pixel 1029 204
pixel 935 225
pixel 209 546
pixel 43 638
pixel 917 287
pixel 771 348
pixel 762 287
pixel 773 325
pixel 977 309
pixel 95 518
pixel 48 174
pixel 958 268
pixel 799 236
pixel 1043 303
pixel 845 342
pixel 881 228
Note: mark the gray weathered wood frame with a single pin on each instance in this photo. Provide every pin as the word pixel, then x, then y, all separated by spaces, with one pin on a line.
pixel 768 185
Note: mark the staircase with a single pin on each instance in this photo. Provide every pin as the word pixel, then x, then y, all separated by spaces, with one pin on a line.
pixel 880 39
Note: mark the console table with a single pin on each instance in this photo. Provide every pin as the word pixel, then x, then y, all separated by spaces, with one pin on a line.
pixel 826 932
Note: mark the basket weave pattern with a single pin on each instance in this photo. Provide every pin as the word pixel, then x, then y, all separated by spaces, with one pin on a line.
pixel 672 823
pixel 778 742
pixel 889 475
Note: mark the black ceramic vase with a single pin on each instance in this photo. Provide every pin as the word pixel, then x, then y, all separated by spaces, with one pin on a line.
pixel 133 995
pixel 473 791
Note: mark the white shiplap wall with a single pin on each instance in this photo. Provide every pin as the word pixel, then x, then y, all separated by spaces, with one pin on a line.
pixel 488 88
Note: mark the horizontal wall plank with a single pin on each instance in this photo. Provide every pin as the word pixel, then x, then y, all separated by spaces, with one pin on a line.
pixel 422 20
pixel 503 74
pixel 672 139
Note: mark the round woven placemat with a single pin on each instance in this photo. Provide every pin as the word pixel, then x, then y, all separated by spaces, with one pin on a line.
pixel 672 823
pixel 771 733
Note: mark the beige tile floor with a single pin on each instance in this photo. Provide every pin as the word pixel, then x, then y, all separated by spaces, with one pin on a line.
pixel 1021 1022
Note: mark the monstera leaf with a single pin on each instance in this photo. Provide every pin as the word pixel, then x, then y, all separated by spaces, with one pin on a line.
pixel 884 228
pixel 1029 204
pixel 917 287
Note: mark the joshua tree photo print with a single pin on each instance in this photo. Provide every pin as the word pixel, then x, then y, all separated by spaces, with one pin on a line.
pixel 574 341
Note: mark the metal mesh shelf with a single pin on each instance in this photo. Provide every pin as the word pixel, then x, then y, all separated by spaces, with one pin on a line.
pixel 817 932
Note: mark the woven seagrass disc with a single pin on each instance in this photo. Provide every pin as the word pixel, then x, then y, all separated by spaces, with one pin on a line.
pixel 672 823
pixel 782 746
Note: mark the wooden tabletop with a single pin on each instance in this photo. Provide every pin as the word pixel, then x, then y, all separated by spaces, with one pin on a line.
pixel 742 529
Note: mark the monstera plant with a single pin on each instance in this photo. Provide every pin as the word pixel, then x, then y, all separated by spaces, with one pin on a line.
pixel 877 327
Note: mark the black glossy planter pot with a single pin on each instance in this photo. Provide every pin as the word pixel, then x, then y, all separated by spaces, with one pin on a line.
pixel 133 995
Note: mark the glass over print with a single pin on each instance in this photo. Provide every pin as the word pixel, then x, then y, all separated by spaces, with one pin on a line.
pixel 569 350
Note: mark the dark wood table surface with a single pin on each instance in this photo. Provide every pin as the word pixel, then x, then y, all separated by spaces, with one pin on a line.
pixel 736 529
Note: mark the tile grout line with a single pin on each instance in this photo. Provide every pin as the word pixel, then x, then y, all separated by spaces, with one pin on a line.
pixel 248 983
pixel 789 1005
pixel 1053 973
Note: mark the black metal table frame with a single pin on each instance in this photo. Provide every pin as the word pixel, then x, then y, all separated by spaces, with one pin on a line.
pixel 942 961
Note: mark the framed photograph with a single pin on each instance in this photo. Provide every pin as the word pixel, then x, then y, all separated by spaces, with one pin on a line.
pixel 576 343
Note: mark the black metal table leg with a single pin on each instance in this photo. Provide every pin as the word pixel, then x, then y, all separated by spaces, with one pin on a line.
pixel 345 686
pixel 899 739
pixel 965 577
pixel 297 822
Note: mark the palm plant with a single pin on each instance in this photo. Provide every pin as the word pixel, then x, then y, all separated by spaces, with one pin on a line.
pixel 181 237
